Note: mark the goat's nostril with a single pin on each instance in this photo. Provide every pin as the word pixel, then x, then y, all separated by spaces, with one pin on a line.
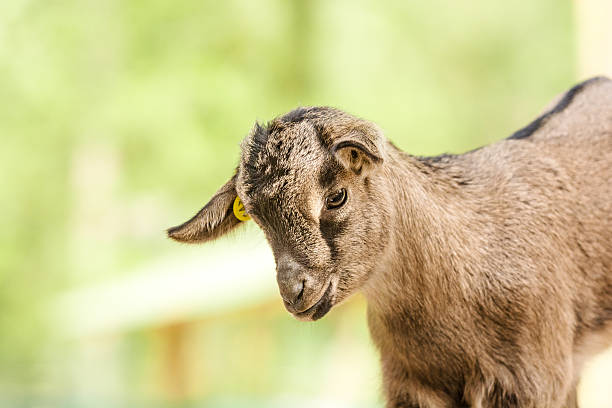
pixel 300 292
pixel 297 291
pixel 292 281
pixel 293 293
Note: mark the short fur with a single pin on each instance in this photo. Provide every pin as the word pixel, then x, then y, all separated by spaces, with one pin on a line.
pixel 488 275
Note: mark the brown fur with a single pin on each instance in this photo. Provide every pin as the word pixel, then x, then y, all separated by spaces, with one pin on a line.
pixel 488 274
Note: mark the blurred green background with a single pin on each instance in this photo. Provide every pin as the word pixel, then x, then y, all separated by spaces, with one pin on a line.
pixel 121 118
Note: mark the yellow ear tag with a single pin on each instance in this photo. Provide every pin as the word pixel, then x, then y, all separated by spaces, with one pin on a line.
pixel 239 210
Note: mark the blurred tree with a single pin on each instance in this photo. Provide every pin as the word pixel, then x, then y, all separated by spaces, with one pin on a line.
pixel 119 116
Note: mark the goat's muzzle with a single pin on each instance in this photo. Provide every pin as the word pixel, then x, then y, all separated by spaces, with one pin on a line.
pixel 303 294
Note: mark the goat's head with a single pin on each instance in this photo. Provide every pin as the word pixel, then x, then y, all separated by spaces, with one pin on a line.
pixel 310 180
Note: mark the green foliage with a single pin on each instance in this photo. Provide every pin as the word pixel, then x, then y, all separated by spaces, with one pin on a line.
pixel 119 118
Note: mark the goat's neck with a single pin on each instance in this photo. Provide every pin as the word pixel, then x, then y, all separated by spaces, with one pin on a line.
pixel 428 225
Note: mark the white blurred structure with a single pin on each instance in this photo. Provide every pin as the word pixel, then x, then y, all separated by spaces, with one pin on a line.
pixel 594 37
pixel 594 31
pixel 222 276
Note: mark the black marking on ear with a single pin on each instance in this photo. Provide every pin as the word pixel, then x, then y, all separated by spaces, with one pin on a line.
pixel 357 145
pixel 330 230
pixel 560 107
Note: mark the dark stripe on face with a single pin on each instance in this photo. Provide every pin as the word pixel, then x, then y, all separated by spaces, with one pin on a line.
pixel 564 103
pixel 322 136
pixel 331 230
pixel 328 174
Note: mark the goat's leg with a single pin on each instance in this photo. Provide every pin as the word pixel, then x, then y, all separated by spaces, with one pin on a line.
pixel 398 400
pixel 396 385
pixel 400 390
pixel 572 399
pixel 401 405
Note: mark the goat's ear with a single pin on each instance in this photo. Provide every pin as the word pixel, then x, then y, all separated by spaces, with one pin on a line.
pixel 214 220
pixel 357 154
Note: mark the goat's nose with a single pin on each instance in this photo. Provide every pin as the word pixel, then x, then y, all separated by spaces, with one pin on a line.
pixel 291 278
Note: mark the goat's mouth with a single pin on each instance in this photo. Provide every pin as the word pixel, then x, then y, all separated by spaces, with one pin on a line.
pixel 319 309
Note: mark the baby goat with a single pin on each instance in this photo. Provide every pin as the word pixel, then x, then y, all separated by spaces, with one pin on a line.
pixel 488 275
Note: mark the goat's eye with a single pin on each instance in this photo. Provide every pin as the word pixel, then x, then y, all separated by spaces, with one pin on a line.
pixel 336 199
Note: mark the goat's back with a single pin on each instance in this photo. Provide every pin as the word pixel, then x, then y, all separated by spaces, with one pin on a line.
pixel 558 180
pixel 535 241
pixel 579 139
